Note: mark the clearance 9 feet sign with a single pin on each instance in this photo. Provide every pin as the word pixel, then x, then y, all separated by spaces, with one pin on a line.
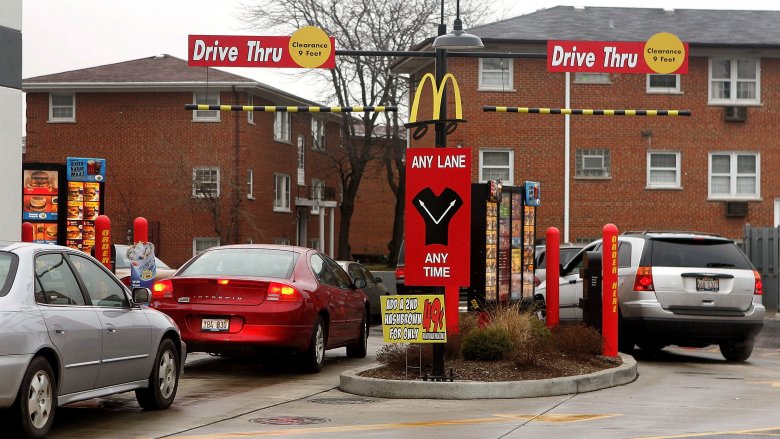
pixel 438 216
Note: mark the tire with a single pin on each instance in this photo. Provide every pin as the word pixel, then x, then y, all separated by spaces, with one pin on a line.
pixel 314 357
pixel 736 351
pixel 359 348
pixel 37 400
pixel 164 379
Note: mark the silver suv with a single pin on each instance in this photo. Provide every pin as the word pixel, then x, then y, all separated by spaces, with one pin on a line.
pixel 687 289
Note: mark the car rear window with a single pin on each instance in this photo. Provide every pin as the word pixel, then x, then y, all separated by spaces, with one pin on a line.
pixel 8 263
pixel 243 262
pixel 700 253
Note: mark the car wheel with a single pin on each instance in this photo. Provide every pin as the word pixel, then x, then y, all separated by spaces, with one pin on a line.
pixel 164 379
pixel 37 399
pixel 314 356
pixel 359 348
pixel 736 351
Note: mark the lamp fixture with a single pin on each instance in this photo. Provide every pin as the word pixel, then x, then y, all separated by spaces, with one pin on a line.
pixel 458 38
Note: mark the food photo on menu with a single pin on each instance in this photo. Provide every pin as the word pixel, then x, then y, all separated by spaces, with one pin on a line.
pixel 40 182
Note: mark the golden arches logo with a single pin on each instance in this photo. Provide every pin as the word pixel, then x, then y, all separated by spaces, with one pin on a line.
pixel 438 94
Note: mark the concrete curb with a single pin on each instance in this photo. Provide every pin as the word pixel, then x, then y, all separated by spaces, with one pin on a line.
pixel 351 382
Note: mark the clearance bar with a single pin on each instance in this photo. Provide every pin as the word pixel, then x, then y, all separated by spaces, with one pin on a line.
pixel 586 112
pixel 272 109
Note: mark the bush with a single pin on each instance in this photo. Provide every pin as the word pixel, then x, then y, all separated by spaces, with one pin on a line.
pixel 535 346
pixel 577 341
pixel 486 344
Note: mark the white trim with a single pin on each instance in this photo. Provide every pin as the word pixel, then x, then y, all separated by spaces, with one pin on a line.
pixel 592 78
pixel 285 206
pixel 282 127
pixel 318 134
pixel 250 181
pixel 662 90
pixel 196 181
pixel 510 164
pixel 507 76
pixel 733 80
pixel 777 213
pixel 250 115
pixel 72 106
pixel 733 176
pixel 676 169
pixel 205 115
pixel 195 241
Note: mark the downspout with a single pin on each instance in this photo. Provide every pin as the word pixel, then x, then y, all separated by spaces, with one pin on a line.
pixel 566 156
pixel 236 169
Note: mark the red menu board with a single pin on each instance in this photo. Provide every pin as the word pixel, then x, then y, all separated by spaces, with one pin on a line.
pixel 40 203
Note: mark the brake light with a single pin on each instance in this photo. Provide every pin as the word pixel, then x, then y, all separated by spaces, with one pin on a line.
pixel 162 289
pixel 759 288
pixel 644 279
pixel 537 282
pixel 223 282
pixel 282 293
pixel 126 280
pixel 399 273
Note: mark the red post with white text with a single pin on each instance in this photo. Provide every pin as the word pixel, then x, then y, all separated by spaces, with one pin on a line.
pixel 609 288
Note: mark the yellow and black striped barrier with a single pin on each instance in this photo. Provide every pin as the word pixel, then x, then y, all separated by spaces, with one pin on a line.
pixel 274 109
pixel 586 112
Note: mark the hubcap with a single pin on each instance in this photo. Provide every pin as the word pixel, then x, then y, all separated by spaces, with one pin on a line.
pixel 166 377
pixel 319 344
pixel 39 399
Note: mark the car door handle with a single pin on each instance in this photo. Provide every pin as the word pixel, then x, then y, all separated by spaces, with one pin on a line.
pixel 58 330
pixel 110 329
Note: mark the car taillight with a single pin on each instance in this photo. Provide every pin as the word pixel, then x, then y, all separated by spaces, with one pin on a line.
pixel 537 282
pixel 282 293
pixel 126 280
pixel 759 288
pixel 644 279
pixel 162 289
pixel 399 273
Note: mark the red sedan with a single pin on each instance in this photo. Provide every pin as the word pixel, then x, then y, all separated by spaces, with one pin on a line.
pixel 241 298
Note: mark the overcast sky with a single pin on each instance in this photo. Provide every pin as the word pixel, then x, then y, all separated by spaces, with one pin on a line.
pixel 63 35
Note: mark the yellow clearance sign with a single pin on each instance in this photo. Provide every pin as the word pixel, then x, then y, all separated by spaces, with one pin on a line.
pixel 413 319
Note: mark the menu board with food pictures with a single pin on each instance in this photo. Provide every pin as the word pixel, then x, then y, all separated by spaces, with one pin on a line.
pixel 40 203
pixel 504 246
pixel 83 209
pixel 516 292
pixel 529 236
pixel 491 251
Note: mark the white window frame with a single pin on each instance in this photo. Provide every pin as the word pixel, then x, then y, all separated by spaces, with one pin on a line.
pixel 250 115
pixel 318 140
pixel 592 78
pixel 250 182
pixel 282 126
pixel 507 72
pixel 301 160
pixel 203 98
pixel 734 175
pixel 733 81
pixel 663 90
pixel 584 153
pixel 72 107
pixel 662 185
pixel 282 202
pixel 317 193
pixel 197 181
pixel 510 165
pixel 208 242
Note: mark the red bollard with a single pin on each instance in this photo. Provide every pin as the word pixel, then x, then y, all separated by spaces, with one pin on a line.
pixel 27 232
pixel 609 291
pixel 140 230
pixel 553 256
pixel 103 237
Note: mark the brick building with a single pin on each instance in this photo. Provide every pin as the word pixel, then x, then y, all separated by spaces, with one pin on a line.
pixel 713 172
pixel 200 178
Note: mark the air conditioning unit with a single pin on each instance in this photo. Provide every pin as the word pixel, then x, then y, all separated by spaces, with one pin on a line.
pixel 734 114
pixel 736 208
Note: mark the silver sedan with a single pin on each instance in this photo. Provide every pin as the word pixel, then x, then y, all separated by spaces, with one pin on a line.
pixel 70 331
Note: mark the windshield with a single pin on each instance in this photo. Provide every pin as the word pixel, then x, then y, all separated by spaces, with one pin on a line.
pixel 701 253
pixel 256 262
pixel 8 263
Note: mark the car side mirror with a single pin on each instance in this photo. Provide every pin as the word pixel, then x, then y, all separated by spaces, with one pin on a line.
pixel 360 283
pixel 378 279
pixel 141 295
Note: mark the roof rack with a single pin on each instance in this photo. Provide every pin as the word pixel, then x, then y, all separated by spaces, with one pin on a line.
pixel 680 232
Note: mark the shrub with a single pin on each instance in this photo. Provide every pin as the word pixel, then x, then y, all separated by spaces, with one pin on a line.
pixel 535 346
pixel 487 344
pixel 577 341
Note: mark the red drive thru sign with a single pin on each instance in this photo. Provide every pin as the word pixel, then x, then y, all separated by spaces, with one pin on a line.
pixel 438 216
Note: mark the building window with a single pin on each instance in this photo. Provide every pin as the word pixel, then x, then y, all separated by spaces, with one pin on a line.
pixel 250 115
pixel 318 134
pixel 281 192
pixel 282 126
pixel 301 160
pixel 201 244
pixel 250 182
pixel 734 175
pixel 497 164
pixel 205 182
pixel 317 193
pixel 592 78
pixel 663 83
pixel 663 169
pixel 211 98
pixel 315 243
pixel 496 74
pixel 62 107
pixel 281 241
pixel 734 81
pixel 592 163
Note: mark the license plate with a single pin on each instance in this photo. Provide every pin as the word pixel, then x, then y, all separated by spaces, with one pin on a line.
pixel 707 284
pixel 215 325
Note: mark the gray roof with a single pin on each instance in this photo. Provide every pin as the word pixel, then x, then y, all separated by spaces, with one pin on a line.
pixel 694 26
